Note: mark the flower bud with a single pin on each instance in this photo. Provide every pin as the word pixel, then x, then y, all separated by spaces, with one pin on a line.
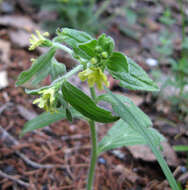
pixel 98 49
pixel 93 60
pixel 104 54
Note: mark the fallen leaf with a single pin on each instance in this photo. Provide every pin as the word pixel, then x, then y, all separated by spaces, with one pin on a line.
pixel 143 152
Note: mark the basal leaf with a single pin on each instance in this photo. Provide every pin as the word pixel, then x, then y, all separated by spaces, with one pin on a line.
pixel 37 66
pixel 121 134
pixel 85 105
pixel 133 120
pixel 135 79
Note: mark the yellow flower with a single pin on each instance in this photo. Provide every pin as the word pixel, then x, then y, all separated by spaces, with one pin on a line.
pixel 46 101
pixel 94 75
pixel 37 40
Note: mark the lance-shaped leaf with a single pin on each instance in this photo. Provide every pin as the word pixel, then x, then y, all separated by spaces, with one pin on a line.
pixel 133 120
pixel 46 119
pixel 36 67
pixel 121 134
pixel 134 78
pixel 85 105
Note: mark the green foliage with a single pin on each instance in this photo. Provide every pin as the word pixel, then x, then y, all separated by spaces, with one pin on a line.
pixel 135 79
pixel 85 105
pixel 166 18
pixel 37 67
pixel 121 134
pixel 79 14
pixel 181 148
pixel 64 100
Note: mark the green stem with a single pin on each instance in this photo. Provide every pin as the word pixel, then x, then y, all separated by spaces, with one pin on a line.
pixel 182 19
pixel 69 74
pixel 93 94
pixel 94 147
pixel 62 47
pixel 93 155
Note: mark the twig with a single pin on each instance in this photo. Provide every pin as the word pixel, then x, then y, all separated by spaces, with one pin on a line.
pixel 4 135
pixel 2 174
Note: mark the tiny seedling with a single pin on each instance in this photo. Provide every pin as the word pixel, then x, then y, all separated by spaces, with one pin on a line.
pixel 61 99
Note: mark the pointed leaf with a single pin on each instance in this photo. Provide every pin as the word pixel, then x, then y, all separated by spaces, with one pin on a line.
pixel 136 124
pixel 135 79
pixel 85 105
pixel 117 62
pixel 46 119
pixel 73 38
pixel 37 66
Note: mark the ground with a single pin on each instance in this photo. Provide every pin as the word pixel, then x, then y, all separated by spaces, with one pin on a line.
pixel 57 156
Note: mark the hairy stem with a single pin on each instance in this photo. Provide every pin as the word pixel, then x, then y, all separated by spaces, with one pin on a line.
pixel 69 74
pixel 94 148
pixel 62 47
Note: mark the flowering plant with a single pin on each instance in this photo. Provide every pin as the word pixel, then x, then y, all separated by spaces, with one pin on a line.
pixel 63 100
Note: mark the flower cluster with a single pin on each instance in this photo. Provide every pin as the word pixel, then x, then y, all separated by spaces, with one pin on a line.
pixel 47 99
pixel 99 51
pixel 39 40
pixel 94 75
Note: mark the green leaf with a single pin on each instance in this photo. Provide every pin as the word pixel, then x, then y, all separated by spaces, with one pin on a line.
pixel 41 74
pixel 132 107
pixel 46 119
pixel 135 79
pixel 181 148
pixel 85 105
pixel 57 69
pixel 117 62
pixel 68 115
pixel 133 120
pixel 37 66
pixel 121 134
pixel 73 38
pixel 89 47
pixel 107 43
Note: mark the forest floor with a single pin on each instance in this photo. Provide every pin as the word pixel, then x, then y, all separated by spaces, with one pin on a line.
pixel 57 156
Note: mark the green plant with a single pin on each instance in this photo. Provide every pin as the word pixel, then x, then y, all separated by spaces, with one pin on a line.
pixel 178 78
pixel 166 18
pixel 79 14
pixel 61 99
